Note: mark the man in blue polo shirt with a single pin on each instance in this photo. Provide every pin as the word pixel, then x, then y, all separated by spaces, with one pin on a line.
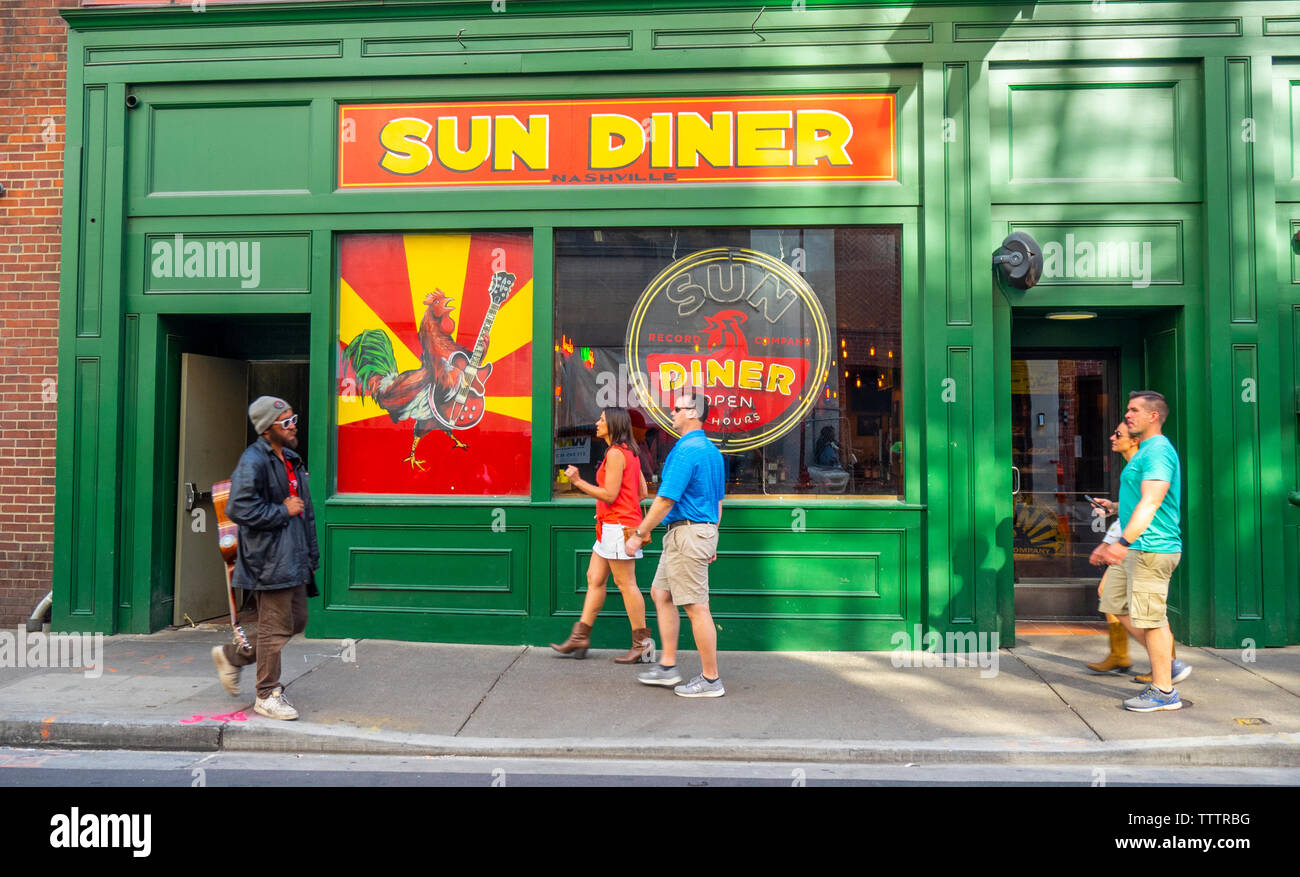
pixel 690 503
pixel 1150 546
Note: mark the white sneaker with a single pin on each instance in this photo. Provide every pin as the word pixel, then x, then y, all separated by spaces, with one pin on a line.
pixel 275 706
pixel 227 672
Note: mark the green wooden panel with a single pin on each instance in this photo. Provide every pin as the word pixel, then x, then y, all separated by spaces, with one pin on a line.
pixel 131 555
pixel 434 568
pixel 776 37
pixel 90 290
pixel 1246 516
pixel 1292 250
pixel 85 572
pixel 956 139
pixel 470 44
pixel 1286 139
pixel 1095 30
pixel 249 148
pixel 229 262
pixel 960 472
pixel 277 50
pixel 1095 133
pixel 1109 253
pixel 841 574
pixel 1240 251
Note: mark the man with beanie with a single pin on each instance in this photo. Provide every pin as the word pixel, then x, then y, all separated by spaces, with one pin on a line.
pixel 271 503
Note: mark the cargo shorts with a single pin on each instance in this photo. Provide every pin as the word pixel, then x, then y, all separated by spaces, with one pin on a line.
pixel 684 564
pixel 1139 587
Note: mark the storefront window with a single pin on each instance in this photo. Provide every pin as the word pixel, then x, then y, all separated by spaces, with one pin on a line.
pixel 794 334
pixel 435 363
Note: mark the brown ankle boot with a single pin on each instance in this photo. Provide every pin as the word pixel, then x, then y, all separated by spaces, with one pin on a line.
pixel 643 648
pixel 577 643
pixel 1117 661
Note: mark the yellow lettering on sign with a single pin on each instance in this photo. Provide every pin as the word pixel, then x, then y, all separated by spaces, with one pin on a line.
pixel 723 373
pixel 780 378
pixel 821 134
pixel 672 375
pixel 510 138
pixel 661 140
pixel 407 151
pixel 751 374
pixel 607 154
pixel 698 139
pixel 760 138
pixel 475 153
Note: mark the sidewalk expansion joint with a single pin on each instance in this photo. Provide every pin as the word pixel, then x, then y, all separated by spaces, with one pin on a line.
pixel 1251 672
pixel 500 676
pixel 1052 688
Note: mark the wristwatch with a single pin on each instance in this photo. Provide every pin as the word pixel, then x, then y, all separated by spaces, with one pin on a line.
pixel 1124 542
pixel 637 534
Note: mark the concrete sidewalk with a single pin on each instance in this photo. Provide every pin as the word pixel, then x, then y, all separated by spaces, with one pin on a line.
pixel 1041 707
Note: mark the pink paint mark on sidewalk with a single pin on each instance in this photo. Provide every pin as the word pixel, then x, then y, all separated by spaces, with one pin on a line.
pixel 215 717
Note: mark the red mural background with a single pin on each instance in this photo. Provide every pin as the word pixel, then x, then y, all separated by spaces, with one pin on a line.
pixel 390 283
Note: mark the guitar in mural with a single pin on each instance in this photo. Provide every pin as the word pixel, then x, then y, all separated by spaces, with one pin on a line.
pixel 462 407
pixel 446 391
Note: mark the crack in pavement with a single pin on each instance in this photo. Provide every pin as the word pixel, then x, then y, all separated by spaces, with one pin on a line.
pixel 500 676
pixel 1052 688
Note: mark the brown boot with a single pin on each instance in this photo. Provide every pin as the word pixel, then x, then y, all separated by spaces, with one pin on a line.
pixel 577 643
pixel 1117 661
pixel 643 648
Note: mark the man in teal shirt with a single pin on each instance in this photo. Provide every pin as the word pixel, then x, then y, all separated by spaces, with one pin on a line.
pixel 1150 546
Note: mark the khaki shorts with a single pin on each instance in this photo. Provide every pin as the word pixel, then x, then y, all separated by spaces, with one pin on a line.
pixel 1139 587
pixel 684 564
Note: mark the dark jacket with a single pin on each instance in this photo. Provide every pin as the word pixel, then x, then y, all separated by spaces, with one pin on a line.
pixel 275 550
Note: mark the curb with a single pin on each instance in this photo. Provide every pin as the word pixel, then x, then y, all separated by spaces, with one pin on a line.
pixel 110 735
pixel 1256 750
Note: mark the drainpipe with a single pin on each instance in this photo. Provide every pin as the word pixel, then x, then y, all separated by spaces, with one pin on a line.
pixel 37 619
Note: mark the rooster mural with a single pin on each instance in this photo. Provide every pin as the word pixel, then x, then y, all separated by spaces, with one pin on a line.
pixel 418 394
pixel 421 371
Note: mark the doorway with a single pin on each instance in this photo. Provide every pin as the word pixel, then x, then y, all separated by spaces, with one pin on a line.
pixel 1069 386
pixel 1064 405
pixel 221 364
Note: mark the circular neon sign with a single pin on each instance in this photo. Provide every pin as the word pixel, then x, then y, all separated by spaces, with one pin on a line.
pixel 743 326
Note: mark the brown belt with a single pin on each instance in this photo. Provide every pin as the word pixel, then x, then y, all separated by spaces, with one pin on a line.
pixel 684 521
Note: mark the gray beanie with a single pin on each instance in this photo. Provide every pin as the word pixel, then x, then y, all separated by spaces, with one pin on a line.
pixel 264 411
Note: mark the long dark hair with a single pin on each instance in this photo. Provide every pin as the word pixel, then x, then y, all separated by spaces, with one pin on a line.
pixel 620 429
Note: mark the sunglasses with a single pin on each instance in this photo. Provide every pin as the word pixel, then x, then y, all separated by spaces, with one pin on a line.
pixel 683 408
pixel 289 421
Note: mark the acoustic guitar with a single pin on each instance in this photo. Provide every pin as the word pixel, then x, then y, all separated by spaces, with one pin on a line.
pixel 228 544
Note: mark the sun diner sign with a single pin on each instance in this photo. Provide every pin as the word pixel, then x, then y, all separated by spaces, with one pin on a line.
pixel 646 141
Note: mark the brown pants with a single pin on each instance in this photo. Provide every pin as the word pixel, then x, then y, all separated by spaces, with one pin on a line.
pixel 279 615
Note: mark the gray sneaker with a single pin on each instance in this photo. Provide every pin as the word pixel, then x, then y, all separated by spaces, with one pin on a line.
pixel 700 687
pixel 275 706
pixel 657 675
pixel 227 672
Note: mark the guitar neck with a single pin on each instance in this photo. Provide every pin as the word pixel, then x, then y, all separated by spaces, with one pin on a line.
pixel 480 347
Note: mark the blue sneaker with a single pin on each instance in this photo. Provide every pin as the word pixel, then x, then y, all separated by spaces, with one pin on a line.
pixel 1153 699
pixel 1178 671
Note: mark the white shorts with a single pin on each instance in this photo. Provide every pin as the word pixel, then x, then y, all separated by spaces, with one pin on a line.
pixel 612 545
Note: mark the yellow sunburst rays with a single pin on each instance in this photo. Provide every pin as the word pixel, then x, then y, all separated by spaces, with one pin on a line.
pixel 436 261
pixel 512 329
pixel 355 316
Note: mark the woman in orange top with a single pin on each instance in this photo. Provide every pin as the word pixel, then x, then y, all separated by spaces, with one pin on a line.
pixel 618 492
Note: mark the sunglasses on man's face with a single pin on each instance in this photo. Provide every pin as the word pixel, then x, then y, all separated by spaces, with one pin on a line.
pixel 289 421
pixel 683 408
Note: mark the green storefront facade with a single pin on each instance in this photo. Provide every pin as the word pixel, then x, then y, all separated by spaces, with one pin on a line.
pixel 1152 149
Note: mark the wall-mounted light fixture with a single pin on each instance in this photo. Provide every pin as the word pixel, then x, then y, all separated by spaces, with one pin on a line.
pixel 2 190
pixel 1071 315
pixel 1019 260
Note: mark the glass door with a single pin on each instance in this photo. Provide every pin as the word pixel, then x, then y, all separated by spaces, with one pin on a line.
pixel 1064 406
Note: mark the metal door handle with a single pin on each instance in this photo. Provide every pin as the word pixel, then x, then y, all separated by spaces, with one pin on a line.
pixel 1015 481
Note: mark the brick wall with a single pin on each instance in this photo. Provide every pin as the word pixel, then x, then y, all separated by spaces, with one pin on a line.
pixel 32 73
